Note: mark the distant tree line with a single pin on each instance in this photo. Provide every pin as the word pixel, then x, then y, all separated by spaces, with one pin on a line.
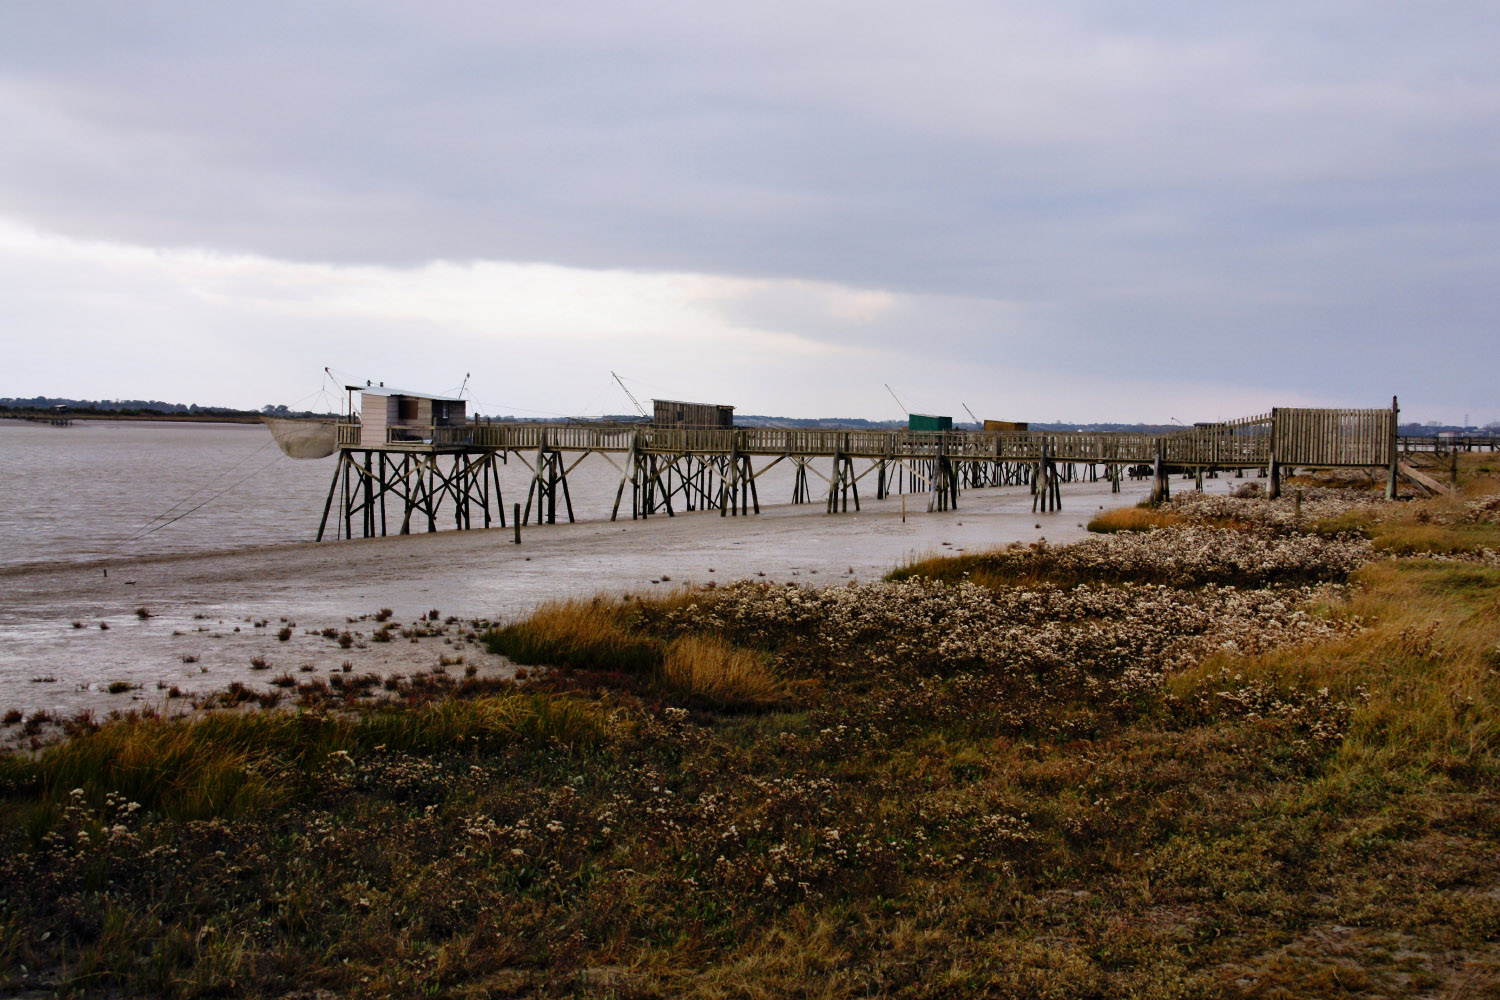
pixel 146 408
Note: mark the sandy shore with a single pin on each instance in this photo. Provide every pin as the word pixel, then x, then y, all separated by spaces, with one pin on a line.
pixel 202 632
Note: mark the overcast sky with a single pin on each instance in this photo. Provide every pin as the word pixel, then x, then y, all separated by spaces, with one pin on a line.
pixel 1046 211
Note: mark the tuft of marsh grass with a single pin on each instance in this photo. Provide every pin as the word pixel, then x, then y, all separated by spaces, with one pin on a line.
pixel 1406 539
pixel 580 634
pixel 601 636
pixel 1132 519
pixel 708 670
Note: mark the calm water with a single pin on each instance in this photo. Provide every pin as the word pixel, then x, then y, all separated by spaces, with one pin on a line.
pixel 111 489
pixel 102 489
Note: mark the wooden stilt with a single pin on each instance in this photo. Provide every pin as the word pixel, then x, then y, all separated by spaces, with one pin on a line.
pixel 332 488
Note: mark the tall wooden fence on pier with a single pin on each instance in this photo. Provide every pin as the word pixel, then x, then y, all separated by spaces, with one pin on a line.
pixel 1326 439
pixel 671 468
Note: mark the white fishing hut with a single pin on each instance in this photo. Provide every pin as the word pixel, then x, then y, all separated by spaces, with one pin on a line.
pixel 395 415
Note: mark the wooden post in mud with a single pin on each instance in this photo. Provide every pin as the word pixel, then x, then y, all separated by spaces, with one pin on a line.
pixel 333 488
pixel 1390 484
pixel 832 505
pixel 1273 466
pixel 1161 489
pixel 516 520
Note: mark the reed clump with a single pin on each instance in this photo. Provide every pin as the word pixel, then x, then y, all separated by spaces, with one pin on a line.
pixel 221 764
pixel 600 637
pixel 583 635
pixel 1132 519
pixel 709 671
pixel 1178 555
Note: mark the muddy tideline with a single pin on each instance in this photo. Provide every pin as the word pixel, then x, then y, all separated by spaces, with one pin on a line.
pixel 1229 747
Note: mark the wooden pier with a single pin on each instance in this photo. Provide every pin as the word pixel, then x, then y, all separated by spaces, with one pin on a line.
pixel 399 475
pixel 1444 443
pixel 40 417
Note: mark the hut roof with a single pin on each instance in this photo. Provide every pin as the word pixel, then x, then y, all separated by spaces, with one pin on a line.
pixel 385 390
pixel 688 402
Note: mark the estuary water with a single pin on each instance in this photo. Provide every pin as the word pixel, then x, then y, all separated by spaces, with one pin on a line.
pixel 112 489
pixel 119 489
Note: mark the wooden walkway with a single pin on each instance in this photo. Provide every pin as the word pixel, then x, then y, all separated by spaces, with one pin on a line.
pixel 422 468
pixel 54 419
pixel 1446 443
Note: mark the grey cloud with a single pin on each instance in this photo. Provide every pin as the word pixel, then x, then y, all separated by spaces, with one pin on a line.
pixel 1265 190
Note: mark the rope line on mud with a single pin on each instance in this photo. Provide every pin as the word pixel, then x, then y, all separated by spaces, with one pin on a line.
pixel 199 489
pixel 198 506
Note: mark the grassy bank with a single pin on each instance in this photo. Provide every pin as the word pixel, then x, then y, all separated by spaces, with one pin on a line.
pixel 1193 761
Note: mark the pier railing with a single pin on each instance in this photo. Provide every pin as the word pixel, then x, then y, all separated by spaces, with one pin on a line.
pixel 1289 436
pixel 707 467
pixel 1247 442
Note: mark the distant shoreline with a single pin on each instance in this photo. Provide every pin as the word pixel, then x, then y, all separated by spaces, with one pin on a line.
pixel 32 416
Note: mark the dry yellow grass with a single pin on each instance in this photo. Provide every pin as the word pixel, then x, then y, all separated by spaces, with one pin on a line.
pixel 1424 667
pixel 598 635
pixel 713 671
pixel 1133 519
pixel 581 634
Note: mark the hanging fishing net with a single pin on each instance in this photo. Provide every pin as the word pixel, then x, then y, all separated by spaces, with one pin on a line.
pixel 304 438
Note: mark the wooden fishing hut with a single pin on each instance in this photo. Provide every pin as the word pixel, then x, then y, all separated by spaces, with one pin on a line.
pixel 395 415
pixel 677 413
pixel 1006 426
pixel 417 449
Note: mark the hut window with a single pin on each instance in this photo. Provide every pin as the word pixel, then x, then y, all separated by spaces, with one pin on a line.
pixel 406 408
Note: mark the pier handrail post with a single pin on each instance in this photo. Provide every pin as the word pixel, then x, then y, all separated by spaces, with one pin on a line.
pixel 1161 489
pixel 1390 485
pixel 1273 467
